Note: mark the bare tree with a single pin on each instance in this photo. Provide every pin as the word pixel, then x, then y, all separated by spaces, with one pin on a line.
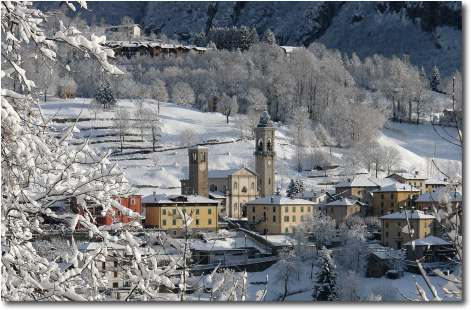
pixel 228 106
pixel 122 124
pixel 188 137
pixel 152 122
pixel 183 94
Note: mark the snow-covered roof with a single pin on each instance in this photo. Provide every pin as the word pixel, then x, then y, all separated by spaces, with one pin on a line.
pixel 397 187
pixel 226 244
pixel 433 196
pixel 342 203
pixel 430 240
pixel 436 182
pixel 289 49
pixel 382 255
pixel 280 240
pixel 416 215
pixel 91 246
pixel 198 147
pixel 279 200
pixel 309 194
pixel 160 199
pixel 63 266
pixel 217 194
pixel 408 176
pixel 124 26
pixel 221 174
pixel 366 182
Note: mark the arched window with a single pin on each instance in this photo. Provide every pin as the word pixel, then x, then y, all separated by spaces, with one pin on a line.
pixel 194 156
pixel 260 145
pixel 269 181
pixel 252 186
pixel 235 185
pixel 269 145
pixel 244 189
pixel 235 206
pixel 203 157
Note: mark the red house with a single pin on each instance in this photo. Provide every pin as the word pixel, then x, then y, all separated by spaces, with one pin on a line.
pixel 132 202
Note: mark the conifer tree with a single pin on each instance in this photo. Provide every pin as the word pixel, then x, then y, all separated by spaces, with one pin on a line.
pixel 325 285
pixel 104 95
pixel 269 37
pixel 294 187
pixel 435 79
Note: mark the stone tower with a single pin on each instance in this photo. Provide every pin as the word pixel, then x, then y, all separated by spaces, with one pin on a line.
pixel 198 166
pixel 265 155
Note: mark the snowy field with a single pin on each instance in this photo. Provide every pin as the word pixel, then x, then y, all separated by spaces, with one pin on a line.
pixel 162 170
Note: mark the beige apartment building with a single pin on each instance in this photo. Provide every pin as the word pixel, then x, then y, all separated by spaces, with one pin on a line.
pixel 276 215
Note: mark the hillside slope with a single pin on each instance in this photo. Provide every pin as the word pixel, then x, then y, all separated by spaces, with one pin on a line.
pixel 162 170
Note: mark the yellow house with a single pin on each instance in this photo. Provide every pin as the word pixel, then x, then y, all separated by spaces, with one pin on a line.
pixel 339 210
pixel 412 179
pixel 161 212
pixel 431 185
pixel 358 188
pixel 390 198
pixel 393 233
pixel 277 214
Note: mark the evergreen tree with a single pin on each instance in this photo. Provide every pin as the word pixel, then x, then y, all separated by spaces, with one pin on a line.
pixel 294 187
pixel 200 39
pixel 269 37
pixel 104 95
pixel 324 287
pixel 253 36
pixel 435 79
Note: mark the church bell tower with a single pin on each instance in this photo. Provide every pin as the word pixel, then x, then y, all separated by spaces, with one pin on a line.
pixel 198 166
pixel 265 155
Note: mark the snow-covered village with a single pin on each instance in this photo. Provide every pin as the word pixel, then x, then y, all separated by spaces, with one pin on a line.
pixel 231 151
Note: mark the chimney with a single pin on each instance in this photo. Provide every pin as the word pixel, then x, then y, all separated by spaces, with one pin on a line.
pixel 315 194
pixel 426 210
pixel 348 180
pixel 155 198
pixel 272 199
pixel 412 210
pixel 416 172
pixel 292 197
pixel 312 189
pixel 445 179
pixel 302 194
pixel 322 190
pixel 400 209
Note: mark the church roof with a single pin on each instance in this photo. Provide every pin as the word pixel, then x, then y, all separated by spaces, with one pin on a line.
pixel 221 174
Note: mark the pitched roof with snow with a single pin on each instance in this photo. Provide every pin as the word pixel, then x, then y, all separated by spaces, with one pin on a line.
pixel 217 194
pixel 416 215
pixel 309 194
pixel 436 182
pixel 430 240
pixel 279 200
pixel 366 182
pixel 408 176
pixel 397 187
pixel 91 246
pixel 433 197
pixel 162 199
pixel 342 203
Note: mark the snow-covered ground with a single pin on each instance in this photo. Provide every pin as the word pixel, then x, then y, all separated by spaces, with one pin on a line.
pixel 162 170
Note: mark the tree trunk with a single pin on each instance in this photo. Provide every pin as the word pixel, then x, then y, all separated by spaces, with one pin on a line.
pixel 153 140
pixel 410 111
pixel 227 118
pixel 158 106
pixel 122 139
pixel 286 289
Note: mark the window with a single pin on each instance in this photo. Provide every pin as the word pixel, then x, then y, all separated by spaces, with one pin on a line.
pixel 308 209
pixel 164 211
pixel 174 211
pixel 420 184
pixel 382 212
pixel 203 157
pixel 294 218
pixel 133 201
pixel 286 218
pixel 115 264
pixel 392 204
pixel 194 156
pixel 119 213
pixel 294 209
pixel 382 205
pixel 269 145
pixel 253 209
pixel 382 196
pixel 164 222
pixel 103 266
pixel 174 222
pixel 269 182
pixel 244 189
pixel 197 221
pixel 414 184
pixel 174 232
pixel 209 211
pixel 197 211
pixel 252 186
pixel 387 225
pixel 115 274
pixel 359 192
pixel 274 218
pixel 274 208
pixel 260 145
pixel 392 196
pixel 115 284
pixel 286 209
pixel 302 209
pixel 209 221
pixel 286 230
pixel 235 185
pixel 387 234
